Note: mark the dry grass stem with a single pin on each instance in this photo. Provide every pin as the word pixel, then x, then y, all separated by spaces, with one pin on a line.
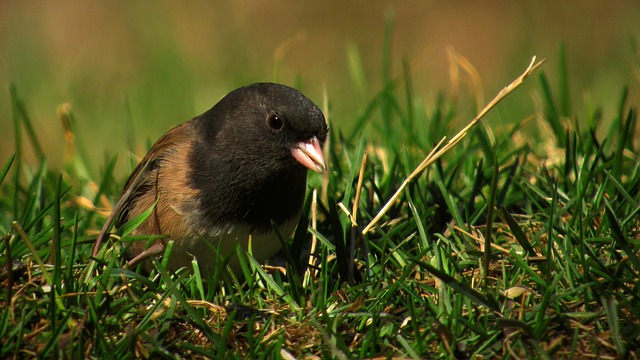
pixel 356 200
pixel 311 271
pixel 438 151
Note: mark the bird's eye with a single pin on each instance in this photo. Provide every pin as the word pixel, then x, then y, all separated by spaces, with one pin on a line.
pixel 275 122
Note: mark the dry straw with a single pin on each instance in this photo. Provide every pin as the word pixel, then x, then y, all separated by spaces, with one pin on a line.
pixel 440 150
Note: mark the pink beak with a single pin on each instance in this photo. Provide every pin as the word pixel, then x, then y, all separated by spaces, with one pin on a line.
pixel 309 154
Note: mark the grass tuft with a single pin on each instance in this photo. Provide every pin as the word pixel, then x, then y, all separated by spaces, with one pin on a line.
pixel 511 241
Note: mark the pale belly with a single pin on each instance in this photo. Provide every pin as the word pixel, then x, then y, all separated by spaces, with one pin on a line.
pixel 207 249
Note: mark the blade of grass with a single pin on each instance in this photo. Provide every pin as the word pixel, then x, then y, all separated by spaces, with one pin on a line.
pixel 57 247
pixel 21 112
pixel 618 235
pixel 54 339
pixel 550 235
pixel 464 289
pixel 613 320
pixel 521 238
pixel 18 153
pixel 552 117
pixel 174 290
pixel 69 280
pixel 273 286
pixel 6 167
pixel 357 72
pixel 624 135
pixel 488 234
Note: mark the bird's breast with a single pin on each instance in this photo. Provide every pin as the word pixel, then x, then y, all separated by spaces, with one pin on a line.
pixel 212 247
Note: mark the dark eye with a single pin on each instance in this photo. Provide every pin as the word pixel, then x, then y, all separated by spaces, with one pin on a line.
pixel 275 122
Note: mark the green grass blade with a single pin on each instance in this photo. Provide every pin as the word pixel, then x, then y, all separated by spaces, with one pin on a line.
pixel 551 112
pixel 57 241
pixel 491 205
pixel 20 112
pixel 6 167
pixel 613 320
pixel 619 236
pixel 515 228
pixel 464 289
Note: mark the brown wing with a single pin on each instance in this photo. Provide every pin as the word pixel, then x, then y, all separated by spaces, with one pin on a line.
pixel 143 181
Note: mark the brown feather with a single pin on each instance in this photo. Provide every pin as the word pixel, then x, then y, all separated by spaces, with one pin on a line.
pixel 165 181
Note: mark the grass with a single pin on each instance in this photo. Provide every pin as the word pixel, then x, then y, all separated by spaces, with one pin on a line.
pixel 521 241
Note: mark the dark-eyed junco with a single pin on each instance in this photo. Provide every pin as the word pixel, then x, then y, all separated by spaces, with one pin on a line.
pixel 226 176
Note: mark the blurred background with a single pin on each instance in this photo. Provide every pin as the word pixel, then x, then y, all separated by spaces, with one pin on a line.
pixel 132 70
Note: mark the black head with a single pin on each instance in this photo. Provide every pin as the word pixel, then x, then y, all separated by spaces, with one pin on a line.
pixel 255 148
pixel 263 122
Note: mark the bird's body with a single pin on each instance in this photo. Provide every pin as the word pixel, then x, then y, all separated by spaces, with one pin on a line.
pixel 227 176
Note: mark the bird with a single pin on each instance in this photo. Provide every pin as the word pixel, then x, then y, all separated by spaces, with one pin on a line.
pixel 225 178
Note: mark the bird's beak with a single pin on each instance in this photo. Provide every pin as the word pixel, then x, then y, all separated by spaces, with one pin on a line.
pixel 309 154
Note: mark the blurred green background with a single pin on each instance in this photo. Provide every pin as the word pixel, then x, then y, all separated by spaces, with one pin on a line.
pixel 132 70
